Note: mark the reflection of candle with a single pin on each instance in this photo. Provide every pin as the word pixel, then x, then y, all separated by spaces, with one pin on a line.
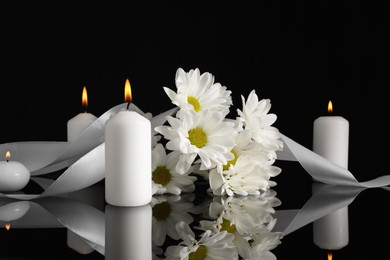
pixel 128 157
pixel 80 122
pixel 14 175
pixel 331 232
pixel 128 233
pixel 13 211
pixel 330 138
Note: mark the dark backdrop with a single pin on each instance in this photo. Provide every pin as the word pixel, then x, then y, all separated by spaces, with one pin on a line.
pixel 299 54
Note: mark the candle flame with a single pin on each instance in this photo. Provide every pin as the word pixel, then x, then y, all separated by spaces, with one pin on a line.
pixel 128 96
pixel 8 226
pixel 8 155
pixel 84 98
pixel 330 256
pixel 330 107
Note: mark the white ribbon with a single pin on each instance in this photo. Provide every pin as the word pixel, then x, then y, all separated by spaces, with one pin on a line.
pixel 40 157
pixel 43 157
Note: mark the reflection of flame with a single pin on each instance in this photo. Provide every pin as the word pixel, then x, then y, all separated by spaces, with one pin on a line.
pixel 128 96
pixel 330 107
pixel 8 155
pixel 7 226
pixel 330 256
pixel 84 98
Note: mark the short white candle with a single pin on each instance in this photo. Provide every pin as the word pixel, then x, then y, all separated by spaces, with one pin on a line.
pixel 77 124
pixel 331 138
pixel 128 158
pixel 128 233
pixel 14 176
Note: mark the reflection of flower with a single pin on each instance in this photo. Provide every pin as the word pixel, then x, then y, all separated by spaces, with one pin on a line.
pixel 209 246
pixel 164 176
pixel 249 219
pixel 236 155
pixel 236 227
pixel 167 211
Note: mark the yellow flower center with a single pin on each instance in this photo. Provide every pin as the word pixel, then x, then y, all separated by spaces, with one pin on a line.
pixel 231 162
pixel 199 254
pixel 194 102
pixel 228 226
pixel 197 137
pixel 162 211
pixel 161 175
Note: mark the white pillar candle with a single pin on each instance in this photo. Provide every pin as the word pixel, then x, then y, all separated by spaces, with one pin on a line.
pixel 128 233
pixel 14 176
pixel 77 124
pixel 128 158
pixel 331 138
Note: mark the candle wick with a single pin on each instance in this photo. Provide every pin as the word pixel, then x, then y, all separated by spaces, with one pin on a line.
pixel 128 105
pixel 7 160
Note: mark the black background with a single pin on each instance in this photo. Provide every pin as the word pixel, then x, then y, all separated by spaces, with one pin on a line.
pixel 299 54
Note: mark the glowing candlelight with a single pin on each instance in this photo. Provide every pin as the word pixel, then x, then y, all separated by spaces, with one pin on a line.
pixel 14 175
pixel 331 137
pixel 80 122
pixel 128 157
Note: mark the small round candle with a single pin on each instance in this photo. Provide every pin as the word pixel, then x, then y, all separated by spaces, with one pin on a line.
pixel 128 158
pixel 77 124
pixel 14 176
pixel 331 138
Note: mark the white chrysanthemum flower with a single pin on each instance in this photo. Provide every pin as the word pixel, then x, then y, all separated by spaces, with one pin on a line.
pixel 246 146
pixel 198 92
pixel 258 121
pixel 204 134
pixel 210 246
pixel 166 212
pixel 165 179
pixel 246 177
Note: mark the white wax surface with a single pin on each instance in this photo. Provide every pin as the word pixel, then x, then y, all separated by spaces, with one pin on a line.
pixel 78 124
pixel 128 233
pixel 331 139
pixel 14 176
pixel 128 160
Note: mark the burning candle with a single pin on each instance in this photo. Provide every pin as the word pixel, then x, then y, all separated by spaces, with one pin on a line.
pixel 331 137
pixel 330 140
pixel 128 233
pixel 81 121
pixel 14 176
pixel 128 157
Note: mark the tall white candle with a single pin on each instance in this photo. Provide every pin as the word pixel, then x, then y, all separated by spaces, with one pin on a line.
pixel 331 140
pixel 128 158
pixel 77 124
pixel 128 233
